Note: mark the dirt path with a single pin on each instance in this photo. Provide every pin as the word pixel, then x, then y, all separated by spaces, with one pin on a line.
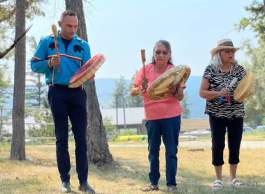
pixel 200 144
pixel 207 144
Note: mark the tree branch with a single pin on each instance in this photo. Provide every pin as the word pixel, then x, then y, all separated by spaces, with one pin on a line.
pixel 2 54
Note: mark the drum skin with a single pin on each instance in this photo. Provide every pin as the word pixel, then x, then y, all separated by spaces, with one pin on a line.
pixel 160 87
pixel 87 71
pixel 245 87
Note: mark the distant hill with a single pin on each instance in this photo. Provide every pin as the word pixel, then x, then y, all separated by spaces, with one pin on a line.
pixel 196 104
pixel 105 87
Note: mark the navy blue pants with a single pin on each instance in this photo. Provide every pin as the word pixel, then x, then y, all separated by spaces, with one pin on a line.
pixel 69 103
pixel 168 129
pixel 234 128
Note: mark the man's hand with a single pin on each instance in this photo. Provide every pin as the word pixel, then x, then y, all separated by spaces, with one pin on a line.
pixel 54 61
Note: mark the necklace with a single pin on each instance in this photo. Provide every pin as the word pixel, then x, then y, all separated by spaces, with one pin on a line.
pixel 225 71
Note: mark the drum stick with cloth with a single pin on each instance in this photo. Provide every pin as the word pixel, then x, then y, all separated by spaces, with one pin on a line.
pixel 144 80
pixel 55 34
pixel 222 99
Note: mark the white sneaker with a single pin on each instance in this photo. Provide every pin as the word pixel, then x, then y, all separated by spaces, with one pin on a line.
pixel 218 185
pixel 66 188
pixel 236 183
pixel 172 189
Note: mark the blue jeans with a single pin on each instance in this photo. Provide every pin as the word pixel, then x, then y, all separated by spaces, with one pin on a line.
pixel 169 130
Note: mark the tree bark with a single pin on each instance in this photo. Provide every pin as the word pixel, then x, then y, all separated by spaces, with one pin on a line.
pixel 98 150
pixel 18 135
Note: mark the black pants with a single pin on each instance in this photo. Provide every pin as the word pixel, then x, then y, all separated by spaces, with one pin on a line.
pixel 69 103
pixel 234 130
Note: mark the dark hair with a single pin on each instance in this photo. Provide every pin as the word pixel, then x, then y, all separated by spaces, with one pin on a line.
pixel 67 13
pixel 168 47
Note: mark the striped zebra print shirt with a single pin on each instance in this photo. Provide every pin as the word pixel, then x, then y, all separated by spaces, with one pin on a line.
pixel 224 107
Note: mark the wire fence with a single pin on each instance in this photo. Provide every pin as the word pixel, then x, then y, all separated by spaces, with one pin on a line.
pixel 35 119
pixel 39 125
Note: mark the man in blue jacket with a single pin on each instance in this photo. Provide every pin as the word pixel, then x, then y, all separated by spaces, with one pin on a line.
pixel 59 61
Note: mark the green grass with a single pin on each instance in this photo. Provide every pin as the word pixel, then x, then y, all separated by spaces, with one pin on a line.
pixel 129 173
pixel 255 135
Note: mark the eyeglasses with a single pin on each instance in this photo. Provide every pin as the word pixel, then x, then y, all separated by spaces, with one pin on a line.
pixel 158 52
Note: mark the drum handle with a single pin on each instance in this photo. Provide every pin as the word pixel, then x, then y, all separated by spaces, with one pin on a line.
pixel 55 34
pixel 144 82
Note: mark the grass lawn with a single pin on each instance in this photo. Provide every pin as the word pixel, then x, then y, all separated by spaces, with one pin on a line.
pixel 255 135
pixel 38 174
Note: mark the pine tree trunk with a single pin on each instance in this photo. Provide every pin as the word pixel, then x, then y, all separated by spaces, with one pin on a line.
pixel 98 150
pixel 18 135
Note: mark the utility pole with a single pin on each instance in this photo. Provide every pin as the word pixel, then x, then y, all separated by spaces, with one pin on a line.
pixel 117 112
pixel 124 114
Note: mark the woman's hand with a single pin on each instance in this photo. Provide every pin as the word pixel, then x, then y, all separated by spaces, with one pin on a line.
pixel 137 90
pixel 223 92
pixel 211 94
pixel 178 90
pixel 173 90
pixel 142 90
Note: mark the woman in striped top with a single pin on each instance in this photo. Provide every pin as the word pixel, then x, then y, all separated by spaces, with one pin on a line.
pixel 219 81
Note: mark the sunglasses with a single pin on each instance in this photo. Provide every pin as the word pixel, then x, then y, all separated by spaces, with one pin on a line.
pixel 158 52
pixel 229 51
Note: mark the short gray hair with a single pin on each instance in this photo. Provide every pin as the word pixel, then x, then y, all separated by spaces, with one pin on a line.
pixel 67 13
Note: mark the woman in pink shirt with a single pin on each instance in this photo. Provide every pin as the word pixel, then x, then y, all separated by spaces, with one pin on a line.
pixel 163 117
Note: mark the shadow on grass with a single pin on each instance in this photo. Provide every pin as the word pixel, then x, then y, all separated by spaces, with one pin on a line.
pixel 18 184
pixel 122 169
pixel 192 183
pixel 41 162
pixel 30 161
pixel 188 181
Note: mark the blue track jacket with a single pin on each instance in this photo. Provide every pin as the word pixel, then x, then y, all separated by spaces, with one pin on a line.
pixel 71 59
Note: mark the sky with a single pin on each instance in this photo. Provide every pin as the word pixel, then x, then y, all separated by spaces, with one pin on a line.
pixel 119 29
